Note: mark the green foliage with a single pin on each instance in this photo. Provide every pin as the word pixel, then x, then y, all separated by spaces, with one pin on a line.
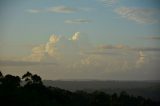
pixel 34 93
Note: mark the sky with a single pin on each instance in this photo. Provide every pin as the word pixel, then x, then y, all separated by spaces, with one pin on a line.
pixel 81 39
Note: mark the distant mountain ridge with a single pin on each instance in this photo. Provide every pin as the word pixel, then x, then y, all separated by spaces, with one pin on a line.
pixel 148 89
pixel 99 84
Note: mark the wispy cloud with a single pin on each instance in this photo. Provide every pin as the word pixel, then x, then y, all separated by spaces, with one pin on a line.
pixel 153 37
pixel 55 9
pixel 34 10
pixel 103 53
pixel 139 15
pixel 125 47
pixel 155 49
pixel 77 21
pixel 119 46
pixel 109 2
pixel 62 9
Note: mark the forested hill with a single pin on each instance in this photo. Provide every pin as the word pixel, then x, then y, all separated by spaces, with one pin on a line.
pixel 100 84
pixel 147 89
pixel 33 93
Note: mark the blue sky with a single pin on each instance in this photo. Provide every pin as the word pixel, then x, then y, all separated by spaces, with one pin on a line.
pixel 82 30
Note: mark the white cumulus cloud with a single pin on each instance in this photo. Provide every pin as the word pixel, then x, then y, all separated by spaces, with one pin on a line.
pixel 40 51
pixel 50 47
pixel 75 36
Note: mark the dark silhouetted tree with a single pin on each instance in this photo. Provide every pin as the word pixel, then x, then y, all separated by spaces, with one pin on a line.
pixel 36 79
pixel 28 78
pixel 32 79
pixel 11 81
pixel 1 77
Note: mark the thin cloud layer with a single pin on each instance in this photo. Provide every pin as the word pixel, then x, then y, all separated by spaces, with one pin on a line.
pixel 55 9
pixel 125 47
pixel 34 10
pixel 62 9
pixel 139 15
pixel 154 49
pixel 77 21
pixel 109 2
pixel 22 63
pixel 119 46
pixel 153 37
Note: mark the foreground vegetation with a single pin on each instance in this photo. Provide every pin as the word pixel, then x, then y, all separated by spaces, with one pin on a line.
pixel 30 91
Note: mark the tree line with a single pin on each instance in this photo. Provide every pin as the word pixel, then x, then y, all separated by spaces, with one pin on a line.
pixel 29 90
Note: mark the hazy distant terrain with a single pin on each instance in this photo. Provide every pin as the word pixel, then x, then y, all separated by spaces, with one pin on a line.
pixel 148 89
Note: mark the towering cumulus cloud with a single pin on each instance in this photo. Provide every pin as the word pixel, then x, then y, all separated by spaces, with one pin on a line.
pixel 75 36
pixel 50 47
pixel 44 49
